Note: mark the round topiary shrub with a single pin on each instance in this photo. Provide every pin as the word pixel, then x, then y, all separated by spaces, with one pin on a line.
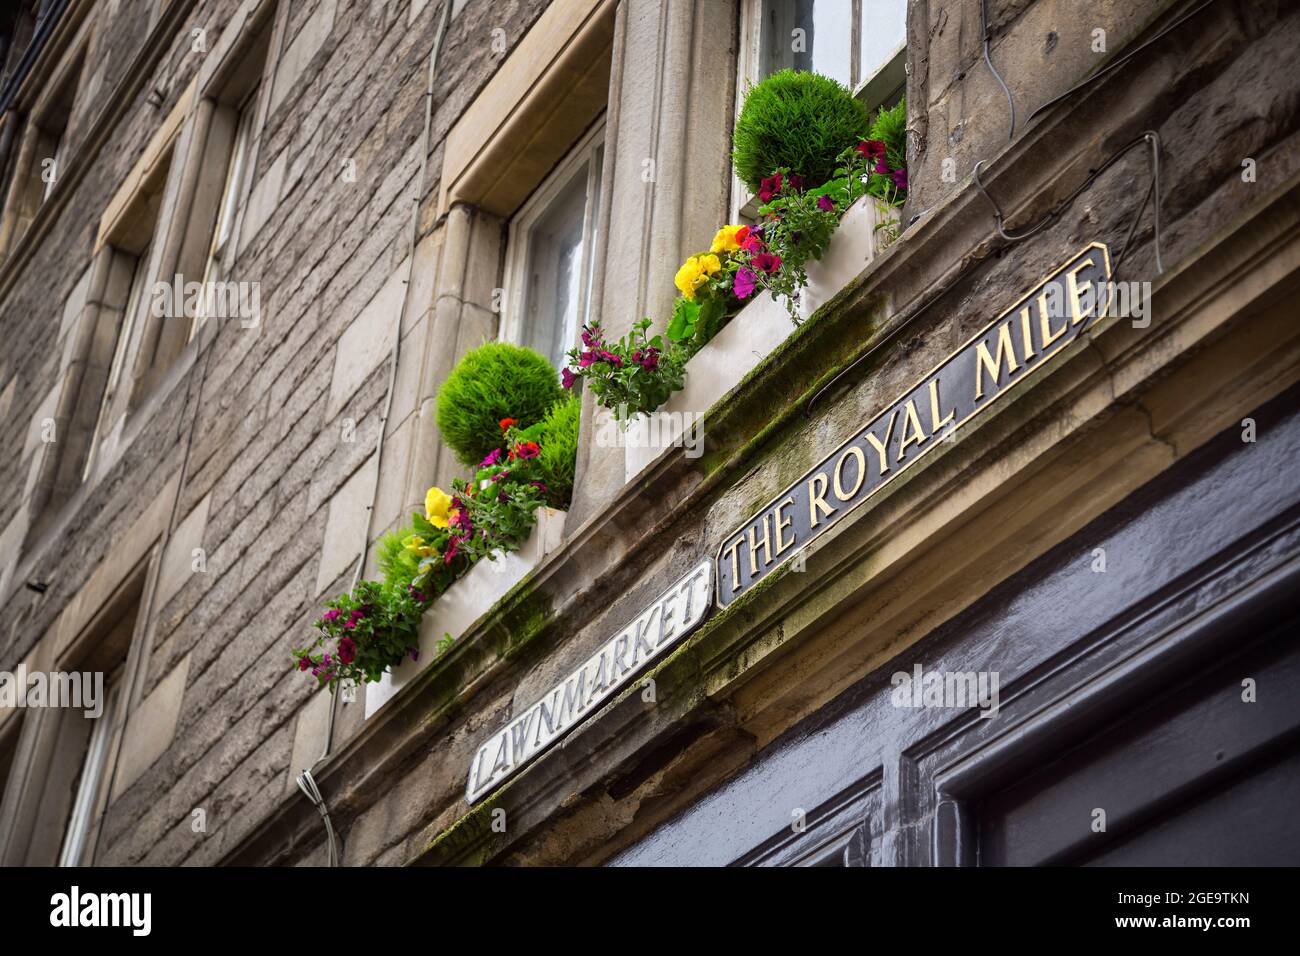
pixel 798 120
pixel 559 455
pixel 494 381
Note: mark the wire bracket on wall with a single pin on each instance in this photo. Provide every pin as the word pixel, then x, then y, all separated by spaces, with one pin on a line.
pixel 1149 138
pixel 307 784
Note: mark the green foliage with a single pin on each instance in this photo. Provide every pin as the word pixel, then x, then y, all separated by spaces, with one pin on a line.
pixel 559 455
pixel 890 128
pixel 494 381
pixel 496 510
pixel 397 564
pixel 796 121
pixel 696 321
pixel 368 630
pixel 796 225
pixel 635 374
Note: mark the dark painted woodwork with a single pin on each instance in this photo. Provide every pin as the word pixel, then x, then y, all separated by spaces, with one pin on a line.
pixel 1119 690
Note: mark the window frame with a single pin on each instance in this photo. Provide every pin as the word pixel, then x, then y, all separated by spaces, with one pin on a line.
pixel 136 299
pixel 589 150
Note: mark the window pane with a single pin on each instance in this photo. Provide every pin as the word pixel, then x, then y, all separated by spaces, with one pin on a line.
pixel 92 771
pixel 814 35
pixel 555 280
pixel 883 31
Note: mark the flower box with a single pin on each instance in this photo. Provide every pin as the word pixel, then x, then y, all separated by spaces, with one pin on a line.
pixel 753 334
pixel 462 604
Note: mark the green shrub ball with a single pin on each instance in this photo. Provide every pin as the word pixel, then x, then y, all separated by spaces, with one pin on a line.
pixel 494 381
pixel 801 121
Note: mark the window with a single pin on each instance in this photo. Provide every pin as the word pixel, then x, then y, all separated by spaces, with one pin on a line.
pixel 125 302
pixel 849 40
pixel 42 155
pixel 9 731
pixel 549 258
pixel 232 190
pixel 134 303
pixel 90 781
pixel 233 194
pixel 55 802
pixel 861 43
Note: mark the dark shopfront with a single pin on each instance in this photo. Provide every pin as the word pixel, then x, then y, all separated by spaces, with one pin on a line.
pixel 1125 690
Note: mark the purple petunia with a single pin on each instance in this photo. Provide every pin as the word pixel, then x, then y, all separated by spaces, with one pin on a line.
pixel 744 283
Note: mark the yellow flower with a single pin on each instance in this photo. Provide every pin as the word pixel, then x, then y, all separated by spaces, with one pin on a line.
pixel 437 505
pixel 694 272
pixel 725 240
pixel 415 544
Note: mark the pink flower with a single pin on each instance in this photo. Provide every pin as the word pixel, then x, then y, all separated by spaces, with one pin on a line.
pixel 824 204
pixel 766 262
pixel 744 283
pixel 304 662
pixel 753 242
pixel 796 183
pixel 591 336
pixel 900 178
pixel 882 167
pixel 492 457
pixel 525 450
pixel 586 358
pixel 611 358
pixel 567 378
pixel 331 615
pixel 347 650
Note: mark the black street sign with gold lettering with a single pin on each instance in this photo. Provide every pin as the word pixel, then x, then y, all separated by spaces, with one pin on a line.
pixel 1023 338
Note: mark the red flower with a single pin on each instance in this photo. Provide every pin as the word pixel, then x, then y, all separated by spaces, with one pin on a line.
pixel 769 187
pixel 766 262
pixel 525 450
pixel 506 423
pixel 871 148
pixel 347 650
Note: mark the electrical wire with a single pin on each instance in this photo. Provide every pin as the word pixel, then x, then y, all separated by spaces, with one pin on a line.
pixel 1150 137
pixel 1011 103
pixel 307 784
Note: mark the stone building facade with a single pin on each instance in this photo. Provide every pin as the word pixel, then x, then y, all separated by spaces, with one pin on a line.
pixel 1117 539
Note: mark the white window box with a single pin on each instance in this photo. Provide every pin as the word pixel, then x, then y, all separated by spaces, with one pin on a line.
pixel 462 604
pixel 752 335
